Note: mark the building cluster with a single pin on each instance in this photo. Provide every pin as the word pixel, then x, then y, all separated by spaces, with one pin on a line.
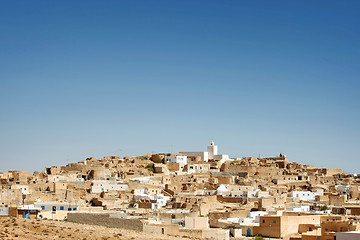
pixel 202 194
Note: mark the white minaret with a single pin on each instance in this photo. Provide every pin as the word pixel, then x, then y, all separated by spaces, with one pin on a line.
pixel 212 150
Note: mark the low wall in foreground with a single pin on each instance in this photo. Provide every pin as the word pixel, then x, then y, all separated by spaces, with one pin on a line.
pixel 105 220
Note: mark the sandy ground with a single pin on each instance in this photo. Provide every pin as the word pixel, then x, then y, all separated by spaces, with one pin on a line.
pixel 13 228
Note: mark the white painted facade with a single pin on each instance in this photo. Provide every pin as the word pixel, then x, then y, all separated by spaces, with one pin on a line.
pixel 176 159
pixel 198 168
pixel 212 153
pixel 139 193
pixel 302 208
pixel 256 215
pixel 303 195
pixel 99 186
pixel 240 220
pixel 67 178
pixel 4 211
pixel 222 190
pixel 203 155
pixel 57 206
pixel 160 198
pixel 141 179
pixel 344 189
pixel 212 150
pixel 252 217
pixel 161 201
pixel 24 188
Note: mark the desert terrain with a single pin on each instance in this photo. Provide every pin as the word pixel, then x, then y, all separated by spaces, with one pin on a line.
pixel 16 228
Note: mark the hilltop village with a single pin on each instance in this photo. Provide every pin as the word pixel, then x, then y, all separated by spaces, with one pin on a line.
pixel 197 194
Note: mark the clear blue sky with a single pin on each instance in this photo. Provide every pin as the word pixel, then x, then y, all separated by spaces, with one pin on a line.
pixel 98 78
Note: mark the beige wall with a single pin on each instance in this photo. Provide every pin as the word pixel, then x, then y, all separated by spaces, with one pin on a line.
pixel 197 222
pixel 58 215
pixel 290 224
pixel 216 233
pixel 270 226
pixel 162 229
pixel 282 226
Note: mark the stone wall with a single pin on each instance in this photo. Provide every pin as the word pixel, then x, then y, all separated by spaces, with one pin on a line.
pixel 242 200
pixel 167 229
pixel 194 233
pixel 216 233
pixel 105 220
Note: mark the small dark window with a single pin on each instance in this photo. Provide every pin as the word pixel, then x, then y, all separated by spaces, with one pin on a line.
pixel 274 221
pixel 263 220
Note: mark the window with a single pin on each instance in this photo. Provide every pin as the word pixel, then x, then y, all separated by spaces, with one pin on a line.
pixel 274 221
pixel 69 209
pixel 42 207
pixel 74 208
pixel 61 207
pixel 263 221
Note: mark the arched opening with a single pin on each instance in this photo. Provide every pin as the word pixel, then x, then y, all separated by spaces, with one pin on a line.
pixel 248 232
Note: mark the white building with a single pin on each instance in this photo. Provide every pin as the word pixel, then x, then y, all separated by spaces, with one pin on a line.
pixel 252 217
pixel 24 188
pixel 212 150
pixel 221 190
pixel 99 186
pixel 198 168
pixel 67 178
pixel 240 220
pixel 57 206
pixel 159 199
pixel 212 153
pixel 256 215
pixel 203 155
pixel 4 211
pixel 257 193
pixel 141 179
pixel 176 159
pixel 301 208
pixel 303 195
pixel 344 189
